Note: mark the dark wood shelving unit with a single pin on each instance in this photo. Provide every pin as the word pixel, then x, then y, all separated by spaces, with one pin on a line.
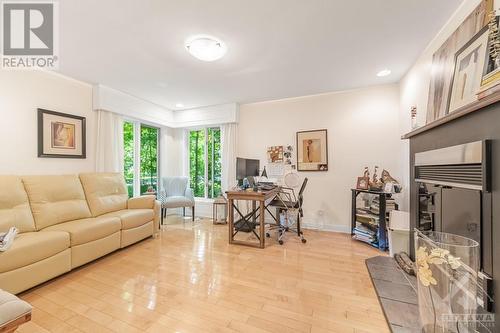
pixel 381 228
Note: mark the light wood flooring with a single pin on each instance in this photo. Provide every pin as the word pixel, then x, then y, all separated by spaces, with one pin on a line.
pixel 190 279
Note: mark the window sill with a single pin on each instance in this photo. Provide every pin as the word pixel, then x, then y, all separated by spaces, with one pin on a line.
pixel 204 200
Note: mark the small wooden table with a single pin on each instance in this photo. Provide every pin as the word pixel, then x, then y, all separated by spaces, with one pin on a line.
pixel 261 197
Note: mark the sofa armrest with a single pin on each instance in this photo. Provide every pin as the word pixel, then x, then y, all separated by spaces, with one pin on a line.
pixel 147 202
pixel 157 216
pixel 144 201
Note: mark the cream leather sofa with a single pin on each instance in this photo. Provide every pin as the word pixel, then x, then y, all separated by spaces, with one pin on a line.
pixel 66 221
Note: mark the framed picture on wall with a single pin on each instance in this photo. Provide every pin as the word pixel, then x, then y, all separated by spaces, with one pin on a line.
pixel 312 150
pixel 61 135
pixel 275 154
pixel 469 66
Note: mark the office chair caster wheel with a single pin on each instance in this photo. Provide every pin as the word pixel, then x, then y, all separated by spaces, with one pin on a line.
pixel 304 240
pixel 268 235
pixel 281 242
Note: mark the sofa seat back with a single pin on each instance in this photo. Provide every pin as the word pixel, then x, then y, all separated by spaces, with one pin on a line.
pixel 87 230
pixel 15 210
pixel 106 192
pixel 56 199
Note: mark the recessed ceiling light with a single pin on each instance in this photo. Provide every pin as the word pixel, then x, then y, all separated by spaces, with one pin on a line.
pixel 384 72
pixel 179 105
pixel 206 48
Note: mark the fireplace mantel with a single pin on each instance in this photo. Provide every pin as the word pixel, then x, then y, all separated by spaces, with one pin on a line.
pixel 465 110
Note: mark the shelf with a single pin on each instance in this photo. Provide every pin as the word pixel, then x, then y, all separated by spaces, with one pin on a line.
pixel 475 106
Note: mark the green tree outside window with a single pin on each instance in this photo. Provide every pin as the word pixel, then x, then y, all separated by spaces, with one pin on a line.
pixel 201 142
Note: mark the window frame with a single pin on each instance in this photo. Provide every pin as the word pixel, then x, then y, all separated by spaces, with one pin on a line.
pixel 205 152
pixel 137 153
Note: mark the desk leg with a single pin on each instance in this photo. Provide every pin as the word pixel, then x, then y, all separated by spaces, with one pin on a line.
pixel 262 224
pixel 254 206
pixel 230 218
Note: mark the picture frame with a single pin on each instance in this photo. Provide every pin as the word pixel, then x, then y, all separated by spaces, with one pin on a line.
pixel 443 60
pixel 389 187
pixel 468 72
pixel 61 135
pixel 312 150
pixel 275 154
pixel 363 183
pixel 491 73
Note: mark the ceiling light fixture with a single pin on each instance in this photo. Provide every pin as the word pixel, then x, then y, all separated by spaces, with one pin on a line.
pixel 384 72
pixel 179 105
pixel 206 48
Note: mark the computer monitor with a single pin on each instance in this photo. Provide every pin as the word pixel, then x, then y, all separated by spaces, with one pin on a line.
pixel 246 167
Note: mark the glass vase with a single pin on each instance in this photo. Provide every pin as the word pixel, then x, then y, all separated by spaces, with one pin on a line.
pixel 447 267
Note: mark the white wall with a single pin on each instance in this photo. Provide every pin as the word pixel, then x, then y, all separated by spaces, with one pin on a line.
pixel 21 93
pixel 363 130
pixel 414 86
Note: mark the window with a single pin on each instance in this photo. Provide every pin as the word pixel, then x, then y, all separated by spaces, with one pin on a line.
pixel 128 154
pixel 140 143
pixel 149 158
pixel 205 162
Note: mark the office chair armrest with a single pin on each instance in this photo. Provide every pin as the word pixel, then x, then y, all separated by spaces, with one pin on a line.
pixel 288 194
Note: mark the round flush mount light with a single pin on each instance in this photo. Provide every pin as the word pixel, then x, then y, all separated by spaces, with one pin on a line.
pixel 206 48
pixel 384 72
pixel 179 105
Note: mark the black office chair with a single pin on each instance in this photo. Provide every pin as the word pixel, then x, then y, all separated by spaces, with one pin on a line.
pixel 286 200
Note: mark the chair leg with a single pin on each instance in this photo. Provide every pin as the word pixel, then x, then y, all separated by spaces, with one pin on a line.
pixel 298 225
pixel 161 218
pixel 183 211
pixel 192 210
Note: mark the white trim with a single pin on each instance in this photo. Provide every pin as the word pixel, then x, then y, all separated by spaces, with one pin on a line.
pixel 203 200
pixel 109 99
pixel 330 228
pixel 69 78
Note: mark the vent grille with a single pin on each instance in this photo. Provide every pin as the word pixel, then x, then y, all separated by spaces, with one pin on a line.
pixel 467 174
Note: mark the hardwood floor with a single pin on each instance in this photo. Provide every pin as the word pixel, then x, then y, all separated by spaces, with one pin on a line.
pixel 190 279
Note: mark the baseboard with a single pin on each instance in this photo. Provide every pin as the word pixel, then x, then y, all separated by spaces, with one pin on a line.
pixel 331 228
pixel 204 210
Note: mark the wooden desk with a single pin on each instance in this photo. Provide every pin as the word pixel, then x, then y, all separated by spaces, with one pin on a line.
pixel 261 197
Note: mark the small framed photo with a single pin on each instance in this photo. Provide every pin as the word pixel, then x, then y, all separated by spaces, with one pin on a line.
pixel 469 67
pixel 363 183
pixel 275 154
pixel 389 187
pixel 312 150
pixel 61 135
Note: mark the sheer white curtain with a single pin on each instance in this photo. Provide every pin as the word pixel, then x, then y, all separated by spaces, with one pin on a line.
pixel 229 145
pixel 109 148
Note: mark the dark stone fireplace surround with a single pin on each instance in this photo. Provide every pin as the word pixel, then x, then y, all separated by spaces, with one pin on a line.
pixel 482 124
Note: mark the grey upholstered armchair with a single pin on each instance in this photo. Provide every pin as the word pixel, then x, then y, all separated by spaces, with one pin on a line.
pixel 176 193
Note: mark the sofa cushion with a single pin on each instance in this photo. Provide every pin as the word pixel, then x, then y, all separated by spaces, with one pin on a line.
pixel 106 192
pixel 15 210
pixel 31 247
pixel 12 308
pixel 133 218
pixel 88 230
pixel 56 199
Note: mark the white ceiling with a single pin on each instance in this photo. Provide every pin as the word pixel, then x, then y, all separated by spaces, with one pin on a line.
pixel 276 48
